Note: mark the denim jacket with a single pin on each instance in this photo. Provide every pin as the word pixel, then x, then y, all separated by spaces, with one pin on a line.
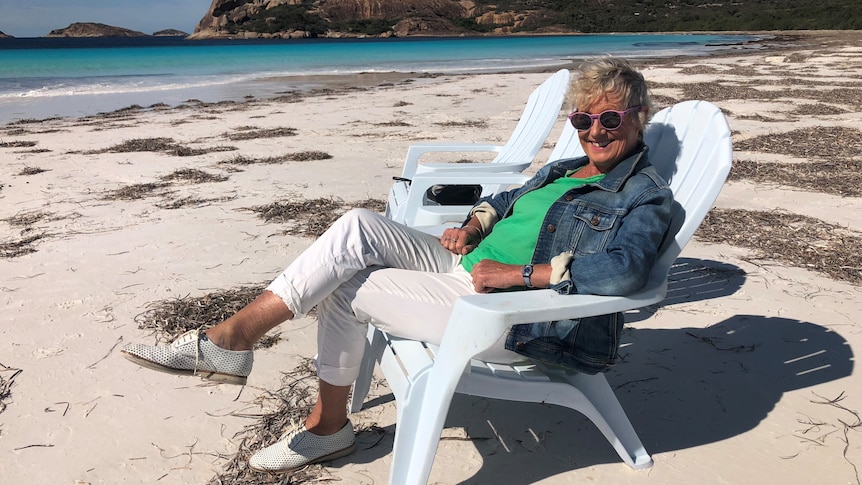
pixel 609 234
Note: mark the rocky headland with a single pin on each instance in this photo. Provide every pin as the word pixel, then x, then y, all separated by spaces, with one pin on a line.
pixel 4 36
pixel 367 18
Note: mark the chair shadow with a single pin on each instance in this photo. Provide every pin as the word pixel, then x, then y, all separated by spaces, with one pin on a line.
pixel 680 387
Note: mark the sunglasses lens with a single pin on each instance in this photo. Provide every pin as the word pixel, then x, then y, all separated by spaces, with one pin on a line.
pixel 581 121
pixel 610 120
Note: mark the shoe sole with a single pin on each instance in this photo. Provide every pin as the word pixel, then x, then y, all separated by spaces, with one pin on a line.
pixel 203 374
pixel 332 456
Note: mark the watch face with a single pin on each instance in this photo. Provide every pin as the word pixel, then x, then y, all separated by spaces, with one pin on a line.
pixel 528 270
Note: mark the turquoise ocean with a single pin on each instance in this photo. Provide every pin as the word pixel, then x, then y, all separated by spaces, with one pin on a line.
pixel 42 77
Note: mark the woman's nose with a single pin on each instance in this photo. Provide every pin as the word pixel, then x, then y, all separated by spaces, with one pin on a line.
pixel 596 127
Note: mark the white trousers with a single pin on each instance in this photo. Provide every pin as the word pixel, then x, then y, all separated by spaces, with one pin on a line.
pixel 368 269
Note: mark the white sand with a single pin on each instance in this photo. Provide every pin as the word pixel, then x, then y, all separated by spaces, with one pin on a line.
pixel 725 384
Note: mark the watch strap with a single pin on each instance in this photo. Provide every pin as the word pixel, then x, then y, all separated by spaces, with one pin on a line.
pixel 526 273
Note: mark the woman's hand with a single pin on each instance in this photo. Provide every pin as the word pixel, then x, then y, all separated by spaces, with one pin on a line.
pixel 461 240
pixel 491 275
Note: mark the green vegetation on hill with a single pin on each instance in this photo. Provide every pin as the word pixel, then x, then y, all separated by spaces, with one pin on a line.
pixel 682 15
pixel 282 18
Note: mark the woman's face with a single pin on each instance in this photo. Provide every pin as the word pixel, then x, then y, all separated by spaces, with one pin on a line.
pixel 605 148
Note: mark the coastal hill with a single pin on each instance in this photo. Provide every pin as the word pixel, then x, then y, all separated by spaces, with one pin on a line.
pixel 402 18
pixel 91 29
pixel 4 36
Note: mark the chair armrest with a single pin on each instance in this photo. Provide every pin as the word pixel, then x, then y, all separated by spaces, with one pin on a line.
pixel 414 152
pixel 478 168
pixel 478 321
pixel 421 183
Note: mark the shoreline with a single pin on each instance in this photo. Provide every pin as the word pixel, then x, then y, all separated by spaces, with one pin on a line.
pixel 106 217
pixel 265 87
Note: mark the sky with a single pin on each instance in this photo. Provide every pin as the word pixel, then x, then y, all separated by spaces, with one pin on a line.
pixel 35 18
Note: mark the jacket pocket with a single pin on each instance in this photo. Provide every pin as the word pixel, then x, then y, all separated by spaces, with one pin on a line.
pixel 594 227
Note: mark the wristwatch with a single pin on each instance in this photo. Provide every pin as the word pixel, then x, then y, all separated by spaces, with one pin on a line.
pixel 526 273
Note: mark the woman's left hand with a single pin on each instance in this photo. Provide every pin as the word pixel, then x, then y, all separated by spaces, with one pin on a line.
pixel 460 240
pixel 491 275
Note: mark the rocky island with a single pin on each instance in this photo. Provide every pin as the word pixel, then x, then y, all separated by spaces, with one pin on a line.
pixel 170 33
pixel 92 29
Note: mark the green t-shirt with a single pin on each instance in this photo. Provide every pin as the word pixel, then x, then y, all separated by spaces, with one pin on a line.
pixel 514 238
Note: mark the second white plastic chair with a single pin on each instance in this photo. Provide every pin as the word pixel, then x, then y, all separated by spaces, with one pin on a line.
pixel 538 118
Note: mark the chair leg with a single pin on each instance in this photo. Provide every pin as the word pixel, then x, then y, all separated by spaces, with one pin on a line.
pixel 420 423
pixel 374 346
pixel 607 414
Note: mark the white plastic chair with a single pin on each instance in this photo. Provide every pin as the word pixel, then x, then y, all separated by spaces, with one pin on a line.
pixel 690 145
pixel 536 122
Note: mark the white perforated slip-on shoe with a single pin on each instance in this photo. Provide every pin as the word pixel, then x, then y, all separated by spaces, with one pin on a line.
pixel 298 447
pixel 192 353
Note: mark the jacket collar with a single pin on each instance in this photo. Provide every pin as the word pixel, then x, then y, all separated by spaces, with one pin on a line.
pixel 613 180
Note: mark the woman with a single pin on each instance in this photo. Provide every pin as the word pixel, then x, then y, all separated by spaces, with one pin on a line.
pixel 589 225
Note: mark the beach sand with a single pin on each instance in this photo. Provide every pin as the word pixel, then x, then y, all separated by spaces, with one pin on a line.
pixel 745 374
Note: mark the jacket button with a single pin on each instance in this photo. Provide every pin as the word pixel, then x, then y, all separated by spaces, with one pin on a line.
pixel 594 221
pixel 552 228
pixel 570 198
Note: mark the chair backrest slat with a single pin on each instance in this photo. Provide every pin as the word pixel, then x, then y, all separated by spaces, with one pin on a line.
pixel 539 116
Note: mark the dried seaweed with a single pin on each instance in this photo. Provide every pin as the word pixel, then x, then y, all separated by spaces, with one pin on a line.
pixel 28 218
pixel 169 319
pixel 161 144
pixel 240 160
pixel 838 177
pixel 17 144
pixel 135 191
pixel 20 247
pixel 193 175
pixel 184 202
pixel 661 101
pixel 6 383
pixel 184 151
pixel 393 124
pixel 376 205
pixel 31 171
pixel 306 217
pixel 142 145
pixel 817 109
pixel 699 69
pixel 788 238
pixel 463 124
pixel 290 405
pixel 825 141
pixel 251 133
pixel 305 156
pixel 723 91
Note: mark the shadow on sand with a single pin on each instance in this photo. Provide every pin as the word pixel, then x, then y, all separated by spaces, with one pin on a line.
pixel 681 387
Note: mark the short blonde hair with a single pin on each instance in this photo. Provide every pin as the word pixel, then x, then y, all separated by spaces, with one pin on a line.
pixel 614 77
